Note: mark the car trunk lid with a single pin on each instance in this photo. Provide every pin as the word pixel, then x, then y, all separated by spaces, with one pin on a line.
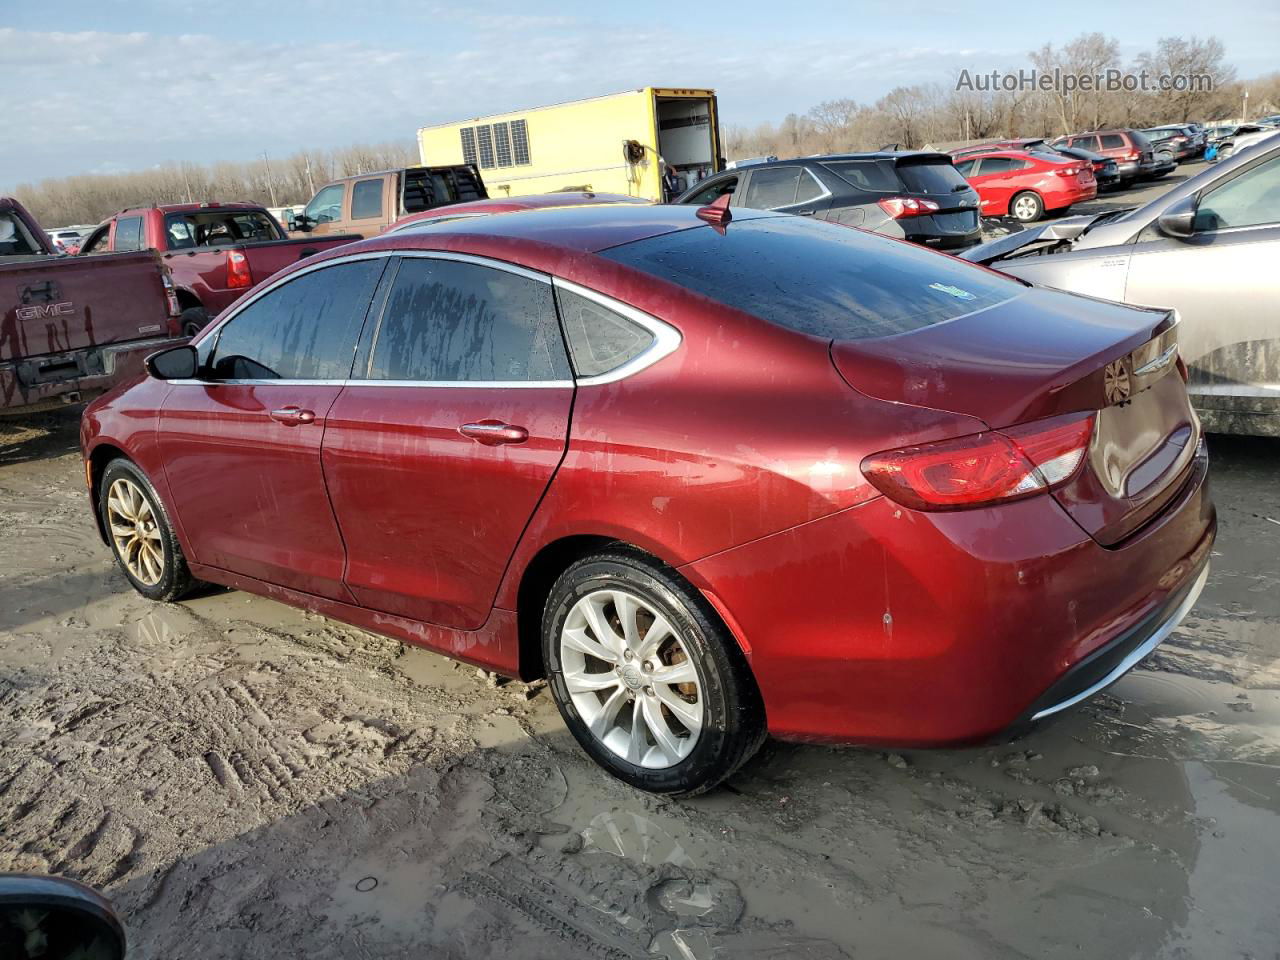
pixel 1043 355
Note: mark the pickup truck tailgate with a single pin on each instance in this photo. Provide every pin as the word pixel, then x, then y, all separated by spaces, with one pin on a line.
pixel 62 304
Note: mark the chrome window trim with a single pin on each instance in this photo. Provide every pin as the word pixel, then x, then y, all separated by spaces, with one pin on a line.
pixel 666 338
pixel 464 384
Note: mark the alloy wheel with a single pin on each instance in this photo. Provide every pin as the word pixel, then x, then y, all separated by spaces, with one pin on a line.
pixel 135 532
pixel 631 678
pixel 1025 208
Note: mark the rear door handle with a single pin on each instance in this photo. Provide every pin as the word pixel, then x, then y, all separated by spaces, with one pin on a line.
pixel 293 416
pixel 494 432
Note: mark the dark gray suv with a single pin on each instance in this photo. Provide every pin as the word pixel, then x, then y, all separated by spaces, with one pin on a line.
pixel 916 196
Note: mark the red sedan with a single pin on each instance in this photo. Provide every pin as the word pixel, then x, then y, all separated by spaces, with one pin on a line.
pixel 712 479
pixel 1012 183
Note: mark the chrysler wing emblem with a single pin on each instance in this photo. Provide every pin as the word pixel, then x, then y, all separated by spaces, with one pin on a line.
pixel 1115 382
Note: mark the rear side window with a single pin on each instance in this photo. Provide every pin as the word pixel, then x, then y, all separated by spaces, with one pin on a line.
pixel 772 187
pixel 992 165
pixel 128 235
pixel 447 321
pixel 304 329
pixel 866 175
pixel 931 178
pixel 600 340
pixel 366 199
pixel 818 278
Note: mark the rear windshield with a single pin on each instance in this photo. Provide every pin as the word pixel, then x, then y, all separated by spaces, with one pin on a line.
pixel 218 228
pixel 818 278
pixel 1139 140
pixel 936 177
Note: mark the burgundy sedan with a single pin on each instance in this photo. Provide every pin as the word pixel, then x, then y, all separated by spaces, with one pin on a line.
pixel 713 480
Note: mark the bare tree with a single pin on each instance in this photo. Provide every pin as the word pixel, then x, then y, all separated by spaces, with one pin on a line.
pixel 1194 67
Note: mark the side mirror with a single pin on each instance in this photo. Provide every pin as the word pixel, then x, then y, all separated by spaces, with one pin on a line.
pixel 303 223
pixel 1178 221
pixel 176 363
pixel 56 919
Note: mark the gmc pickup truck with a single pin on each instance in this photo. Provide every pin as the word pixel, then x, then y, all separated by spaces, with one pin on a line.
pixel 371 202
pixel 73 327
pixel 214 251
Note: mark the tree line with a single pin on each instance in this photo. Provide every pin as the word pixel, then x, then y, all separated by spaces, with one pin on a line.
pixel 909 117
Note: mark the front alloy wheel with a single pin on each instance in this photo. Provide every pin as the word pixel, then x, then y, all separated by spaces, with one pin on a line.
pixel 140 533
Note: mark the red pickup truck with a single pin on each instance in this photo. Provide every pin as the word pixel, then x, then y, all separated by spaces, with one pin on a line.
pixel 215 251
pixel 73 327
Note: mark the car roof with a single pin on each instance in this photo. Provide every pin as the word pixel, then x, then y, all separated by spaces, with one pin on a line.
pixel 195 207
pixel 828 157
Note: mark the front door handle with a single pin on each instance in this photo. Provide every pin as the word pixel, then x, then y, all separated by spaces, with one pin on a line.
pixel 293 416
pixel 494 432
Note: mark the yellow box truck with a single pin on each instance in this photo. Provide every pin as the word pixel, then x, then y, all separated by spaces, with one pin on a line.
pixel 623 143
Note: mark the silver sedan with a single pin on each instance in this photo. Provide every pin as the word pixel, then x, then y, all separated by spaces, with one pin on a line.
pixel 1209 248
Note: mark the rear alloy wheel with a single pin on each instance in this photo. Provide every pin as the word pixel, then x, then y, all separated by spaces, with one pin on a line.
pixel 1027 207
pixel 646 677
pixel 141 536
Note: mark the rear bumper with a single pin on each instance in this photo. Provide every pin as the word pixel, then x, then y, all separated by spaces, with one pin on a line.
pixel 54 380
pixel 883 625
pixel 1065 198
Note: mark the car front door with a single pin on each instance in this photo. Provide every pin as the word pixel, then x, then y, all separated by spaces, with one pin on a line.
pixel 439 449
pixel 1221 280
pixel 993 181
pixel 325 209
pixel 241 444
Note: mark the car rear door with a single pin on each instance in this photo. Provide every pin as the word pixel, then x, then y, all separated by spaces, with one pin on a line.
pixel 993 180
pixel 1221 281
pixel 441 446
pixel 241 445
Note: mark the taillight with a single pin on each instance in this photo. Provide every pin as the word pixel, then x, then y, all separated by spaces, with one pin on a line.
pixel 170 294
pixel 899 207
pixel 1133 155
pixel 239 276
pixel 1067 171
pixel 983 468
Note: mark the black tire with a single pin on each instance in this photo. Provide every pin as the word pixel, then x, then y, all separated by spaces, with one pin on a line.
pixel 733 719
pixel 1037 209
pixel 175 580
pixel 193 320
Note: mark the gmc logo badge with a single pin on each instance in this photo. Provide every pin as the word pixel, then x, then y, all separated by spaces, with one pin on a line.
pixel 47 310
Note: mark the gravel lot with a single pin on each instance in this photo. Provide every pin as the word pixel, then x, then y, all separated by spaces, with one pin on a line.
pixel 247 780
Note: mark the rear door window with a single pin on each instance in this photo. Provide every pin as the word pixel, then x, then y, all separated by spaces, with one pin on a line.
pixel 305 329
pixel 128 235
pixel 931 178
pixel 366 199
pixel 870 175
pixel 446 321
pixel 809 188
pixel 818 278
pixel 992 165
pixel 772 187
pixel 1112 141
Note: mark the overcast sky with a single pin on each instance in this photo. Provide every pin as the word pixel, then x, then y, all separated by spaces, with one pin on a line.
pixel 115 85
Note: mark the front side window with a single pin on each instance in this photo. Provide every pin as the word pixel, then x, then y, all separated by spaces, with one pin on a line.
pixel 772 187
pixel 714 191
pixel 128 234
pixel 326 206
pixel 1249 200
pixel 366 199
pixel 818 278
pixel 304 329
pixel 1087 143
pixel 448 321
pixel 600 339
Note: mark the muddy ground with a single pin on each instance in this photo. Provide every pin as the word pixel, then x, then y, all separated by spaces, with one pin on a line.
pixel 245 780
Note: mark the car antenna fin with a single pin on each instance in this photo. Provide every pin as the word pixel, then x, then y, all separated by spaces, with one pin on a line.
pixel 717 212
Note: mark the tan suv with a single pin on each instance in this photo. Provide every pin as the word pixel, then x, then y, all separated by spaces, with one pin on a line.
pixel 370 202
